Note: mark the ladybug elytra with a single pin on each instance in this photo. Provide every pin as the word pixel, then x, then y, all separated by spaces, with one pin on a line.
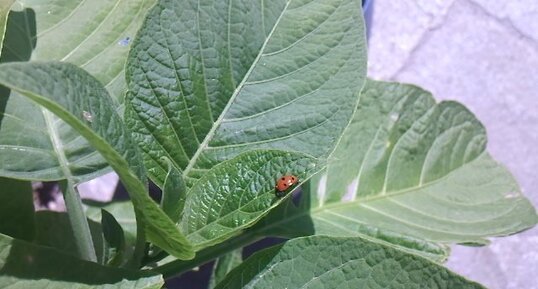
pixel 285 183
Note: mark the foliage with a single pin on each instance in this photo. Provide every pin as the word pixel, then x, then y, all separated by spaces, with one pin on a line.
pixel 214 101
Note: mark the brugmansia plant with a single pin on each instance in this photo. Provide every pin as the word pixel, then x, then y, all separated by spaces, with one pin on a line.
pixel 217 102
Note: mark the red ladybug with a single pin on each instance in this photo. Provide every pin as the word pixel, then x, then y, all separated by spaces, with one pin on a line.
pixel 285 183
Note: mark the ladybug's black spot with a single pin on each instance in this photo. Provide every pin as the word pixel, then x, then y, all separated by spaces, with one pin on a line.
pixel 283 178
pixel 293 178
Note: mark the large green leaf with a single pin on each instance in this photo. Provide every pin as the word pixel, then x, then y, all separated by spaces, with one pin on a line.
pixel 24 265
pixel 52 229
pixel 235 194
pixel 408 165
pixel 331 262
pixel 211 79
pixel 290 221
pixel 92 34
pixel 17 209
pixel 81 101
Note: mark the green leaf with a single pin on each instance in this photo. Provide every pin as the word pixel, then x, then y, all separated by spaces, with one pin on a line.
pixel 87 33
pixel 330 262
pixel 82 102
pixel 174 193
pixel 235 194
pixel 94 35
pixel 223 266
pixel 408 165
pixel 124 215
pixel 17 209
pixel 113 234
pixel 54 230
pixel 24 265
pixel 290 221
pixel 209 81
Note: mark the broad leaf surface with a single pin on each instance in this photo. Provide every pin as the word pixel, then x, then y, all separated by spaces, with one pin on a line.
pixel 82 102
pixel 409 165
pixel 92 34
pixel 25 265
pixel 235 194
pixel 331 262
pixel 52 229
pixel 17 209
pixel 211 79
pixel 290 221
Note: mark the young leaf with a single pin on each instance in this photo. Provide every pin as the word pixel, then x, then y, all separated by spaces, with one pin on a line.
pixel 17 209
pixel 209 81
pixel 113 234
pixel 123 213
pixel 174 193
pixel 331 262
pixel 408 165
pixel 26 265
pixel 235 194
pixel 89 34
pixel 82 102
pixel 223 266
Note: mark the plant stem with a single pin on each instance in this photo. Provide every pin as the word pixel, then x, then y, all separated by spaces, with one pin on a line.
pixel 79 223
pixel 177 267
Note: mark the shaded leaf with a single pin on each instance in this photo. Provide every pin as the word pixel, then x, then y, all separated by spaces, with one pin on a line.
pixel 17 209
pixel 330 262
pixel 74 95
pixel 24 265
pixel 54 230
pixel 223 266
pixel 124 214
pixel 209 81
pixel 174 193
pixel 113 234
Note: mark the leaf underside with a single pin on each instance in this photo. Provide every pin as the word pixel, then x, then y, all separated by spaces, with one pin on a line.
pixel 408 165
pixel 36 145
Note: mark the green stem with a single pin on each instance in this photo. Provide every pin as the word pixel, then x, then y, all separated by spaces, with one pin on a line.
pixel 79 223
pixel 178 267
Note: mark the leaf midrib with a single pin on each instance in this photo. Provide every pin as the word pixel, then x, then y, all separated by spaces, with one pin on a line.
pixel 216 124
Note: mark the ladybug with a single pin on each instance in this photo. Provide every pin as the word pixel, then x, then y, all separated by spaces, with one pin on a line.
pixel 284 183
